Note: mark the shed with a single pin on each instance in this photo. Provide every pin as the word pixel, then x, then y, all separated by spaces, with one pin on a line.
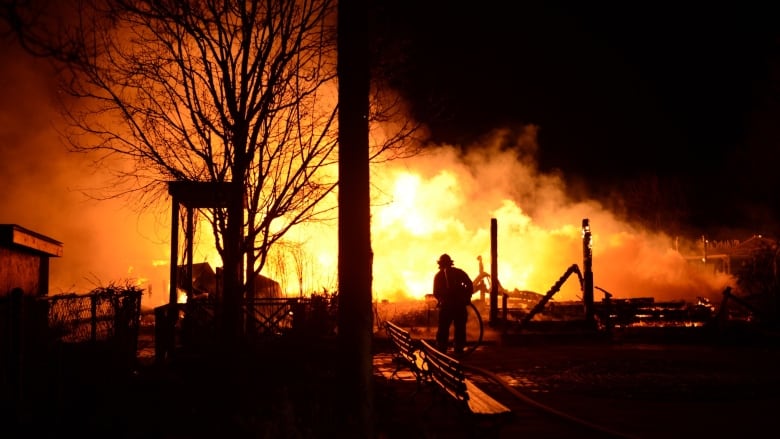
pixel 24 260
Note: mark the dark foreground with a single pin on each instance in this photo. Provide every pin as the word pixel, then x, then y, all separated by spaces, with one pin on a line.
pixel 556 388
pixel 639 388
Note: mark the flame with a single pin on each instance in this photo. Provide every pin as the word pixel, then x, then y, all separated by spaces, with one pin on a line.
pixel 443 202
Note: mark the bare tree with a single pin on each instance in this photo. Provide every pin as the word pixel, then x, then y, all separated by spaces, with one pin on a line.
pixel 239 92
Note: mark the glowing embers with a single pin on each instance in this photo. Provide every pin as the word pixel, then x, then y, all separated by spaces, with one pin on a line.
pixel 645 311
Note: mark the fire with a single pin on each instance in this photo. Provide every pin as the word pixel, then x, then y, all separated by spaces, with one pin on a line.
pixel 443 202
pixel 405 209
pixel 439 203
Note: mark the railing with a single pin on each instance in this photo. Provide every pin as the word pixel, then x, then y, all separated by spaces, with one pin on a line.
pixel 274 316
pixel 262 317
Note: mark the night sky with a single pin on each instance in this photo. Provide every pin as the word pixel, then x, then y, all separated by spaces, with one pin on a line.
pixel 619 91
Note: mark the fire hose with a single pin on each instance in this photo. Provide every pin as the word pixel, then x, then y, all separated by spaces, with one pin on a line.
pixel 473 346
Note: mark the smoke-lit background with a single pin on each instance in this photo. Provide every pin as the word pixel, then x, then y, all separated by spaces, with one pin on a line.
pixel 441 201
pixel 50 191
pixel 539 121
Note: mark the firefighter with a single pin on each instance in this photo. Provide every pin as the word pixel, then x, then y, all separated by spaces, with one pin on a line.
pixel 452 288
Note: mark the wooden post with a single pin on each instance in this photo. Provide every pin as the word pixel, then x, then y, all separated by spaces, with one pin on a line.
pixel 493 321
pixel 250 283
pixel 188 257
pixel 172 299
pixel 587 262
pixel 93 316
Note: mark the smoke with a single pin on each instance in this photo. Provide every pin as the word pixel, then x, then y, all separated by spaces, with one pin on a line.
pixel 47 189
pixel 448 197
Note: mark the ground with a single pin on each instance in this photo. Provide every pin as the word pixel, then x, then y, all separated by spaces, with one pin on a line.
pixel 640 388
pixel 557 386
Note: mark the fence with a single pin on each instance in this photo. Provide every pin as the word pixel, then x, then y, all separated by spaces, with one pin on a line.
pixel 197 322
pixel 41 334
pixel 99 316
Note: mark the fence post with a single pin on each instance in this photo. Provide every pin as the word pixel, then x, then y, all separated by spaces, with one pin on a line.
pixel 93 320
pixel 504 312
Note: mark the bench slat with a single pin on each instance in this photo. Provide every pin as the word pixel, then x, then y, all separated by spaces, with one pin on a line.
pixel 447 373
pixel 406 350
pixel 480 403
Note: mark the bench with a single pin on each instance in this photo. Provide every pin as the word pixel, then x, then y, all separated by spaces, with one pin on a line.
pixel 406 352
pixel 447 375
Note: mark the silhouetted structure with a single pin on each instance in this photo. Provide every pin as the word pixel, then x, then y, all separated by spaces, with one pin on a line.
pixel 24 276
pixel 205 281
pixel 24 260
pixel 51 345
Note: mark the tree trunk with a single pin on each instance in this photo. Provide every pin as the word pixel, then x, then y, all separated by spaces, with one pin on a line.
pixel 355 317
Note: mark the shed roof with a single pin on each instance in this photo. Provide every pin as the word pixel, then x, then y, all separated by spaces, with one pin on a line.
pixel 15 236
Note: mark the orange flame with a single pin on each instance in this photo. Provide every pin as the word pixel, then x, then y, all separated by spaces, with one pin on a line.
pixel 443 202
